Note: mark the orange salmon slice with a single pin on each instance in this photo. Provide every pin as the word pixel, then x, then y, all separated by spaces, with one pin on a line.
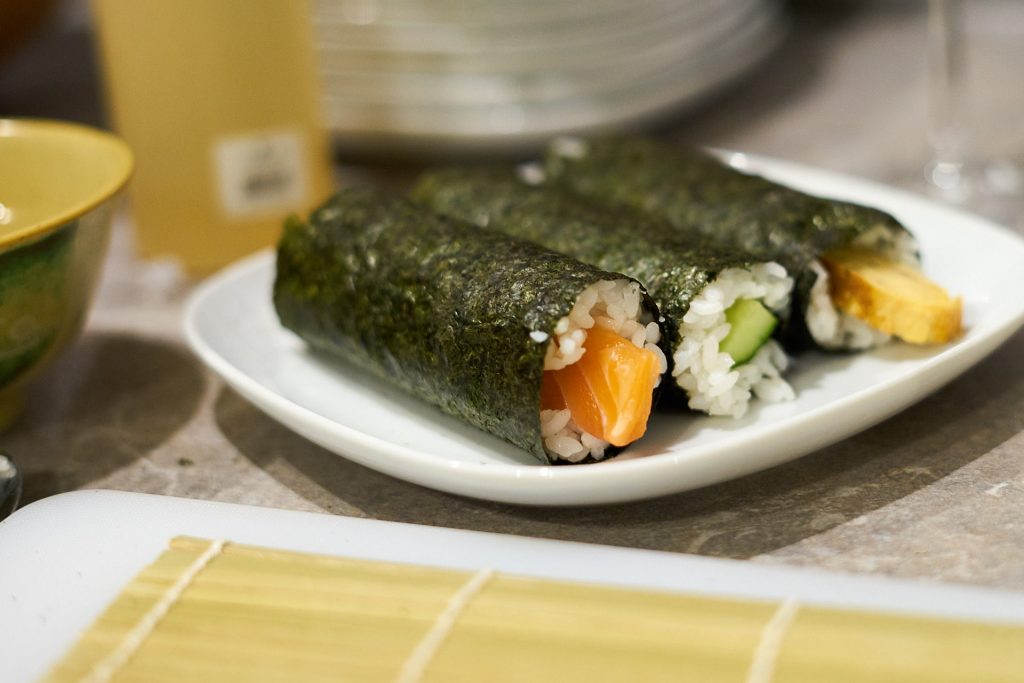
pixel 609 390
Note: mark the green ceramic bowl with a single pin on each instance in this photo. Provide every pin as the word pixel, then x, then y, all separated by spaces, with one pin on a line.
pixel 58 186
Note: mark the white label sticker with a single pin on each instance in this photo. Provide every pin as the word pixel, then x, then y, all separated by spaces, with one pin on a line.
pixel 260 173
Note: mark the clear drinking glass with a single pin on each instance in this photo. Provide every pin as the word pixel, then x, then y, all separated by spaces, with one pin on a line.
pixel 976 106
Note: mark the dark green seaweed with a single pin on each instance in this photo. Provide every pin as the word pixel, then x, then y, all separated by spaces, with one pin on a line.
pixel 616 239
pixel 701 196
pixel 438 307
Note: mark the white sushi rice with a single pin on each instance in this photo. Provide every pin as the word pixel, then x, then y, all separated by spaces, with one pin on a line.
pixel 833 329
pixel 614 305
pixel 713 382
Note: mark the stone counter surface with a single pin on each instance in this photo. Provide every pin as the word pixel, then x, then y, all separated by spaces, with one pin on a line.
pixel 935 492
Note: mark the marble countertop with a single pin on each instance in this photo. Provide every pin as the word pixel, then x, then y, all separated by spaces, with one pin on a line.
pixel 935 492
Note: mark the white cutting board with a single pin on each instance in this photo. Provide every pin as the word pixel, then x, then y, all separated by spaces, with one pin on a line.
pixel 63 559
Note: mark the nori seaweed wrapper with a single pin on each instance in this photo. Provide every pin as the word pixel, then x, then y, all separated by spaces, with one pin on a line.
pixel 438 307
pixel 617 239
pixel 703 197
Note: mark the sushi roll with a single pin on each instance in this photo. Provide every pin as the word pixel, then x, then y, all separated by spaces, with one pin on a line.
pixel 720 309
pixel 857 269
pixel 555 356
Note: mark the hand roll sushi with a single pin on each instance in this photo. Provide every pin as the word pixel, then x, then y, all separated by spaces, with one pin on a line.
pixel 555 356
pixel 720 309
pixel 857 269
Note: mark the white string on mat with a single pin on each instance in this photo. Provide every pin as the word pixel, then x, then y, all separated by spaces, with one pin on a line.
pixel 105 669
pixel 419 659
pixel 762 668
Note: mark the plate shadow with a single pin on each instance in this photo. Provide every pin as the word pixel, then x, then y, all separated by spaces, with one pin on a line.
pixel 738 519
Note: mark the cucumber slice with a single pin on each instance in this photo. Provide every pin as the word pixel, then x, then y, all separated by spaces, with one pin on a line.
pixel 750 326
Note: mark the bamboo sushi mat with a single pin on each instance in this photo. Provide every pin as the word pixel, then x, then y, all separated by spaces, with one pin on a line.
pixel 215 611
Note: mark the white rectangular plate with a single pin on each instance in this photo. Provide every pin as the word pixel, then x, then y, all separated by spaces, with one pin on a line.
pixel 53 585
pixel 231 325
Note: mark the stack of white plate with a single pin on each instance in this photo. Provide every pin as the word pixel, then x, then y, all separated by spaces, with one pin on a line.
pixel 490 74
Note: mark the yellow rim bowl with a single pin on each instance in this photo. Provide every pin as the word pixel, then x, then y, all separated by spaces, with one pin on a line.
pixel 57 186
pixel 53 172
